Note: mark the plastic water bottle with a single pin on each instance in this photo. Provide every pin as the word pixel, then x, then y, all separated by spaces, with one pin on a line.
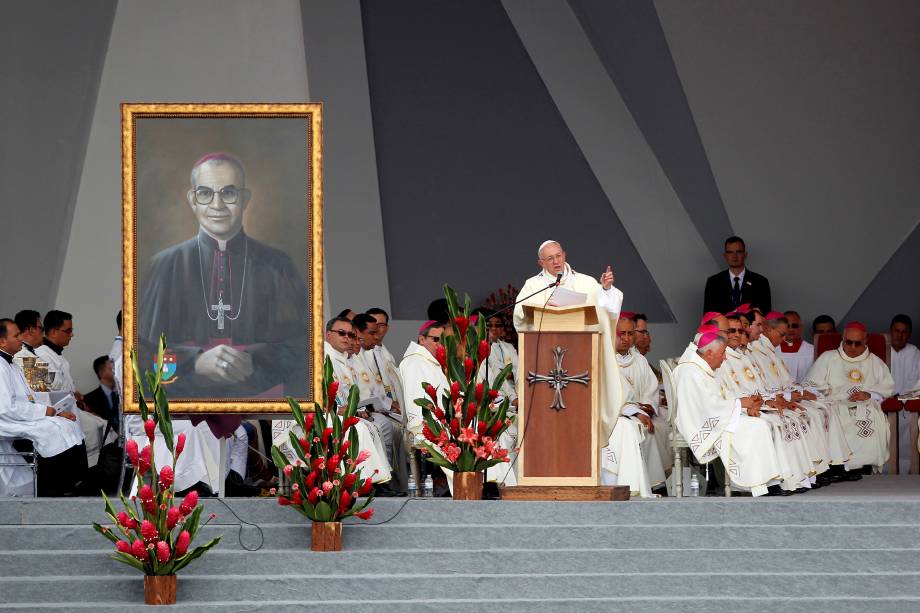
pixel 694 485
pixel 429 486
pixel 411 485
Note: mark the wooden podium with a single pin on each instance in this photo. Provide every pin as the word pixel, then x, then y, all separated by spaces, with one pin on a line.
pixel 558 413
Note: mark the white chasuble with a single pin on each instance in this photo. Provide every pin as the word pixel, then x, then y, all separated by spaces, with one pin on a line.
pixel 739 376
pixel 823 431
pixel 636 373
pixel 607 303
pixel 837 376
pixel 715 424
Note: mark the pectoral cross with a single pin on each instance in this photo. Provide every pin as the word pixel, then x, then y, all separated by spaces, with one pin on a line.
pixel 220 307
pixel 558 378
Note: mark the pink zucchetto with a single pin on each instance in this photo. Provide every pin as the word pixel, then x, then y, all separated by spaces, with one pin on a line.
pixel 628 315
pixel 855 325
pixel 431 323
pixel 773 315
pixel 707 338
pixel 710 316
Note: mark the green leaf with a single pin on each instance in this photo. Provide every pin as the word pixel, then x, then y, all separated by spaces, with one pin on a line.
pixel 435 457
pixel 297 411
pixel 192 522
pixel 129 560
pixel 298 450
pixel 279 458
pixel 323 511
pixel 353 399
pixel 108 533
pixel 194 554
pixel 139 382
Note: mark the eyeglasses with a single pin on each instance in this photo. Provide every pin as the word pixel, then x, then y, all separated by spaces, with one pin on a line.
pixel 642 332
pixel 794 326
pixel 735 330
pixel 850 343
pixel 553 258
pixel 435 339
pixel 343 334
pixel 626 333
pixel 228 195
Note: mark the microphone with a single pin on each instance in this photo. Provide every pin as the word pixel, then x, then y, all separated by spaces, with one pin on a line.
pixel 515 303
pixel 558 279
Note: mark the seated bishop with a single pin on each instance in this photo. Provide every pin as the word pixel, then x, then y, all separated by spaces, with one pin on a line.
pixel 856 381
pixel 717 424
pixel 797 353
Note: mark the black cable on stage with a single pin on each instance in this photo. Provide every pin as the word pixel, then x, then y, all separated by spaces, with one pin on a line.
pixel 239 534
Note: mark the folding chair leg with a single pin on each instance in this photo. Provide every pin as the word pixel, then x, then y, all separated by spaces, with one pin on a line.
pixel 678 473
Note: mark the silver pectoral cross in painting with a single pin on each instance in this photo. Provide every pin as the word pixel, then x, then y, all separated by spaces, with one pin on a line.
pixel 220 308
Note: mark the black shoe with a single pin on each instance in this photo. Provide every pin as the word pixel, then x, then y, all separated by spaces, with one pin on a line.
pixel 823 480
pixel 490 491
pixel 775 490
pixel 661 490
pixel 852 475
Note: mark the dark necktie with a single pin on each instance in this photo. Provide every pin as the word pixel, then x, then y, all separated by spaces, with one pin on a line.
pixel 736 293
pixel 114 403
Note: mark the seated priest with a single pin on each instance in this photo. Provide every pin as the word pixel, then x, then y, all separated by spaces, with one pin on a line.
pixel 905 369
pixel 501 354
pixel 25 414
pixel 717 424
pixel 556 271
pixel 383 358
pixel 631 456
pixel 856 381
pixel 797 353
pixel 209 294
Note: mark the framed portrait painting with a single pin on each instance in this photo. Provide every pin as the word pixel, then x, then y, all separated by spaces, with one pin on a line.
pixel 222 228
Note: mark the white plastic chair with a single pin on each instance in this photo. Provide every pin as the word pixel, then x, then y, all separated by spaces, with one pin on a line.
pixel 9 458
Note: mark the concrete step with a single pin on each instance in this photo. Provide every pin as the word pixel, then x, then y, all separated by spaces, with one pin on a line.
pixel 433 511
pixel 193 587
pixel 517 536
pixel 640 604
pixel 224 561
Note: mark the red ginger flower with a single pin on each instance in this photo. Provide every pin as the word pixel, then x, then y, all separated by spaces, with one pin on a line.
pixel 304 444
pixel 131 451
pixel 189 503
pixel 432 393
pixel 283 501
pixel 149 530
pixel 326 434
pixel 366 487
pixel 468 367
pixel 362 456
pixel 287 470
pixel 427 433
pixel 123 547
pixel 327 487
pixel 344 501
pixel 150 506
pixel 343 449
pixel 313 496
pixel 496 429
pixel 150 428
pixel 440 354
pixel 366 514
pixel 319 463
pixel 127 521
pixel 349 480
pixel 139 551
pixel 468 435
pixel 451 452
pixel 172 517
pixel 348 422
pixel 439 413
pixel 311 478
pixel 333 463
pixel 481 428
pixel 480 388
pixel 470 412
pixel 162 552
pixel 296 498
pixel 145 493
pixel 484 350
pixel 143 463
pixel 331 393
pixel 454 390
pixel 455 427
pixel 462 324
pixel 493 394
pixel 180 444
pixel 166 476
pixel 182 543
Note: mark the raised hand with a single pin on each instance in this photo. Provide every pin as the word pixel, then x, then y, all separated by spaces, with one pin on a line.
pixel 607 279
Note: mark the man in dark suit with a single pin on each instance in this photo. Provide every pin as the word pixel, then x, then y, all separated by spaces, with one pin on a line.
pixel 103 401
pixel 731 288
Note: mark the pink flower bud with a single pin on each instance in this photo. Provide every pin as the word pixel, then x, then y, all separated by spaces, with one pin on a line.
pixel 180 444
pixel 123 547
pixel 189 503
pixel 131 450
pixel 172 517
pixel 327 487
pixel 288 470
pixel 145 493
pixel 150 428
pixel 362 456
pixel 143 463
pixel 149 530
pixel 139 551
pixel 182 543
pixel 166 476
pixel 162 552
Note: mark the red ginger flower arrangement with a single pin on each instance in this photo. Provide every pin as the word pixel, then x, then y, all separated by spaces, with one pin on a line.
pixel 461 429
pixel 151 534
pixel 325 474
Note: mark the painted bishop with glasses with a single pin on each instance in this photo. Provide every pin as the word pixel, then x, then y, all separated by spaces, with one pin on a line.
pixel 233 309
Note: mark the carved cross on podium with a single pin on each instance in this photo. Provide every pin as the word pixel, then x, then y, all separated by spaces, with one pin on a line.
pixel 220 307
pixel 558 378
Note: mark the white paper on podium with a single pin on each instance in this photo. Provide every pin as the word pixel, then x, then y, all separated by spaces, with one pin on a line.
pixel 563 298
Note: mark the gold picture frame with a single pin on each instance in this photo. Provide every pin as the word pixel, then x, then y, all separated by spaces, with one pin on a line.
pixel 160 142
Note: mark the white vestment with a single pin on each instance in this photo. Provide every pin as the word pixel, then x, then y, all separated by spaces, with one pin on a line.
pixel 23 415
pixel 824 436
pixel 741 378
pixel 905 369
pixel 638 374
pixel 866 428
pixel 607 304
pixel 715 424
pixel 501 354
pixel 798 362
pixel 63 381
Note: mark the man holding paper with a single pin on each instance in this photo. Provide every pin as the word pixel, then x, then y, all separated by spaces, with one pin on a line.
pixel 560 281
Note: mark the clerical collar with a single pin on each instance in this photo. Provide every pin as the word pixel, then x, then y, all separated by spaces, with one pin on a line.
pixel 861 357
pixel 334 353
pixel 6 356
pixel 792 347
pixel 235 244
pixel 29 348
pixel 54 347
pixel 624 359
